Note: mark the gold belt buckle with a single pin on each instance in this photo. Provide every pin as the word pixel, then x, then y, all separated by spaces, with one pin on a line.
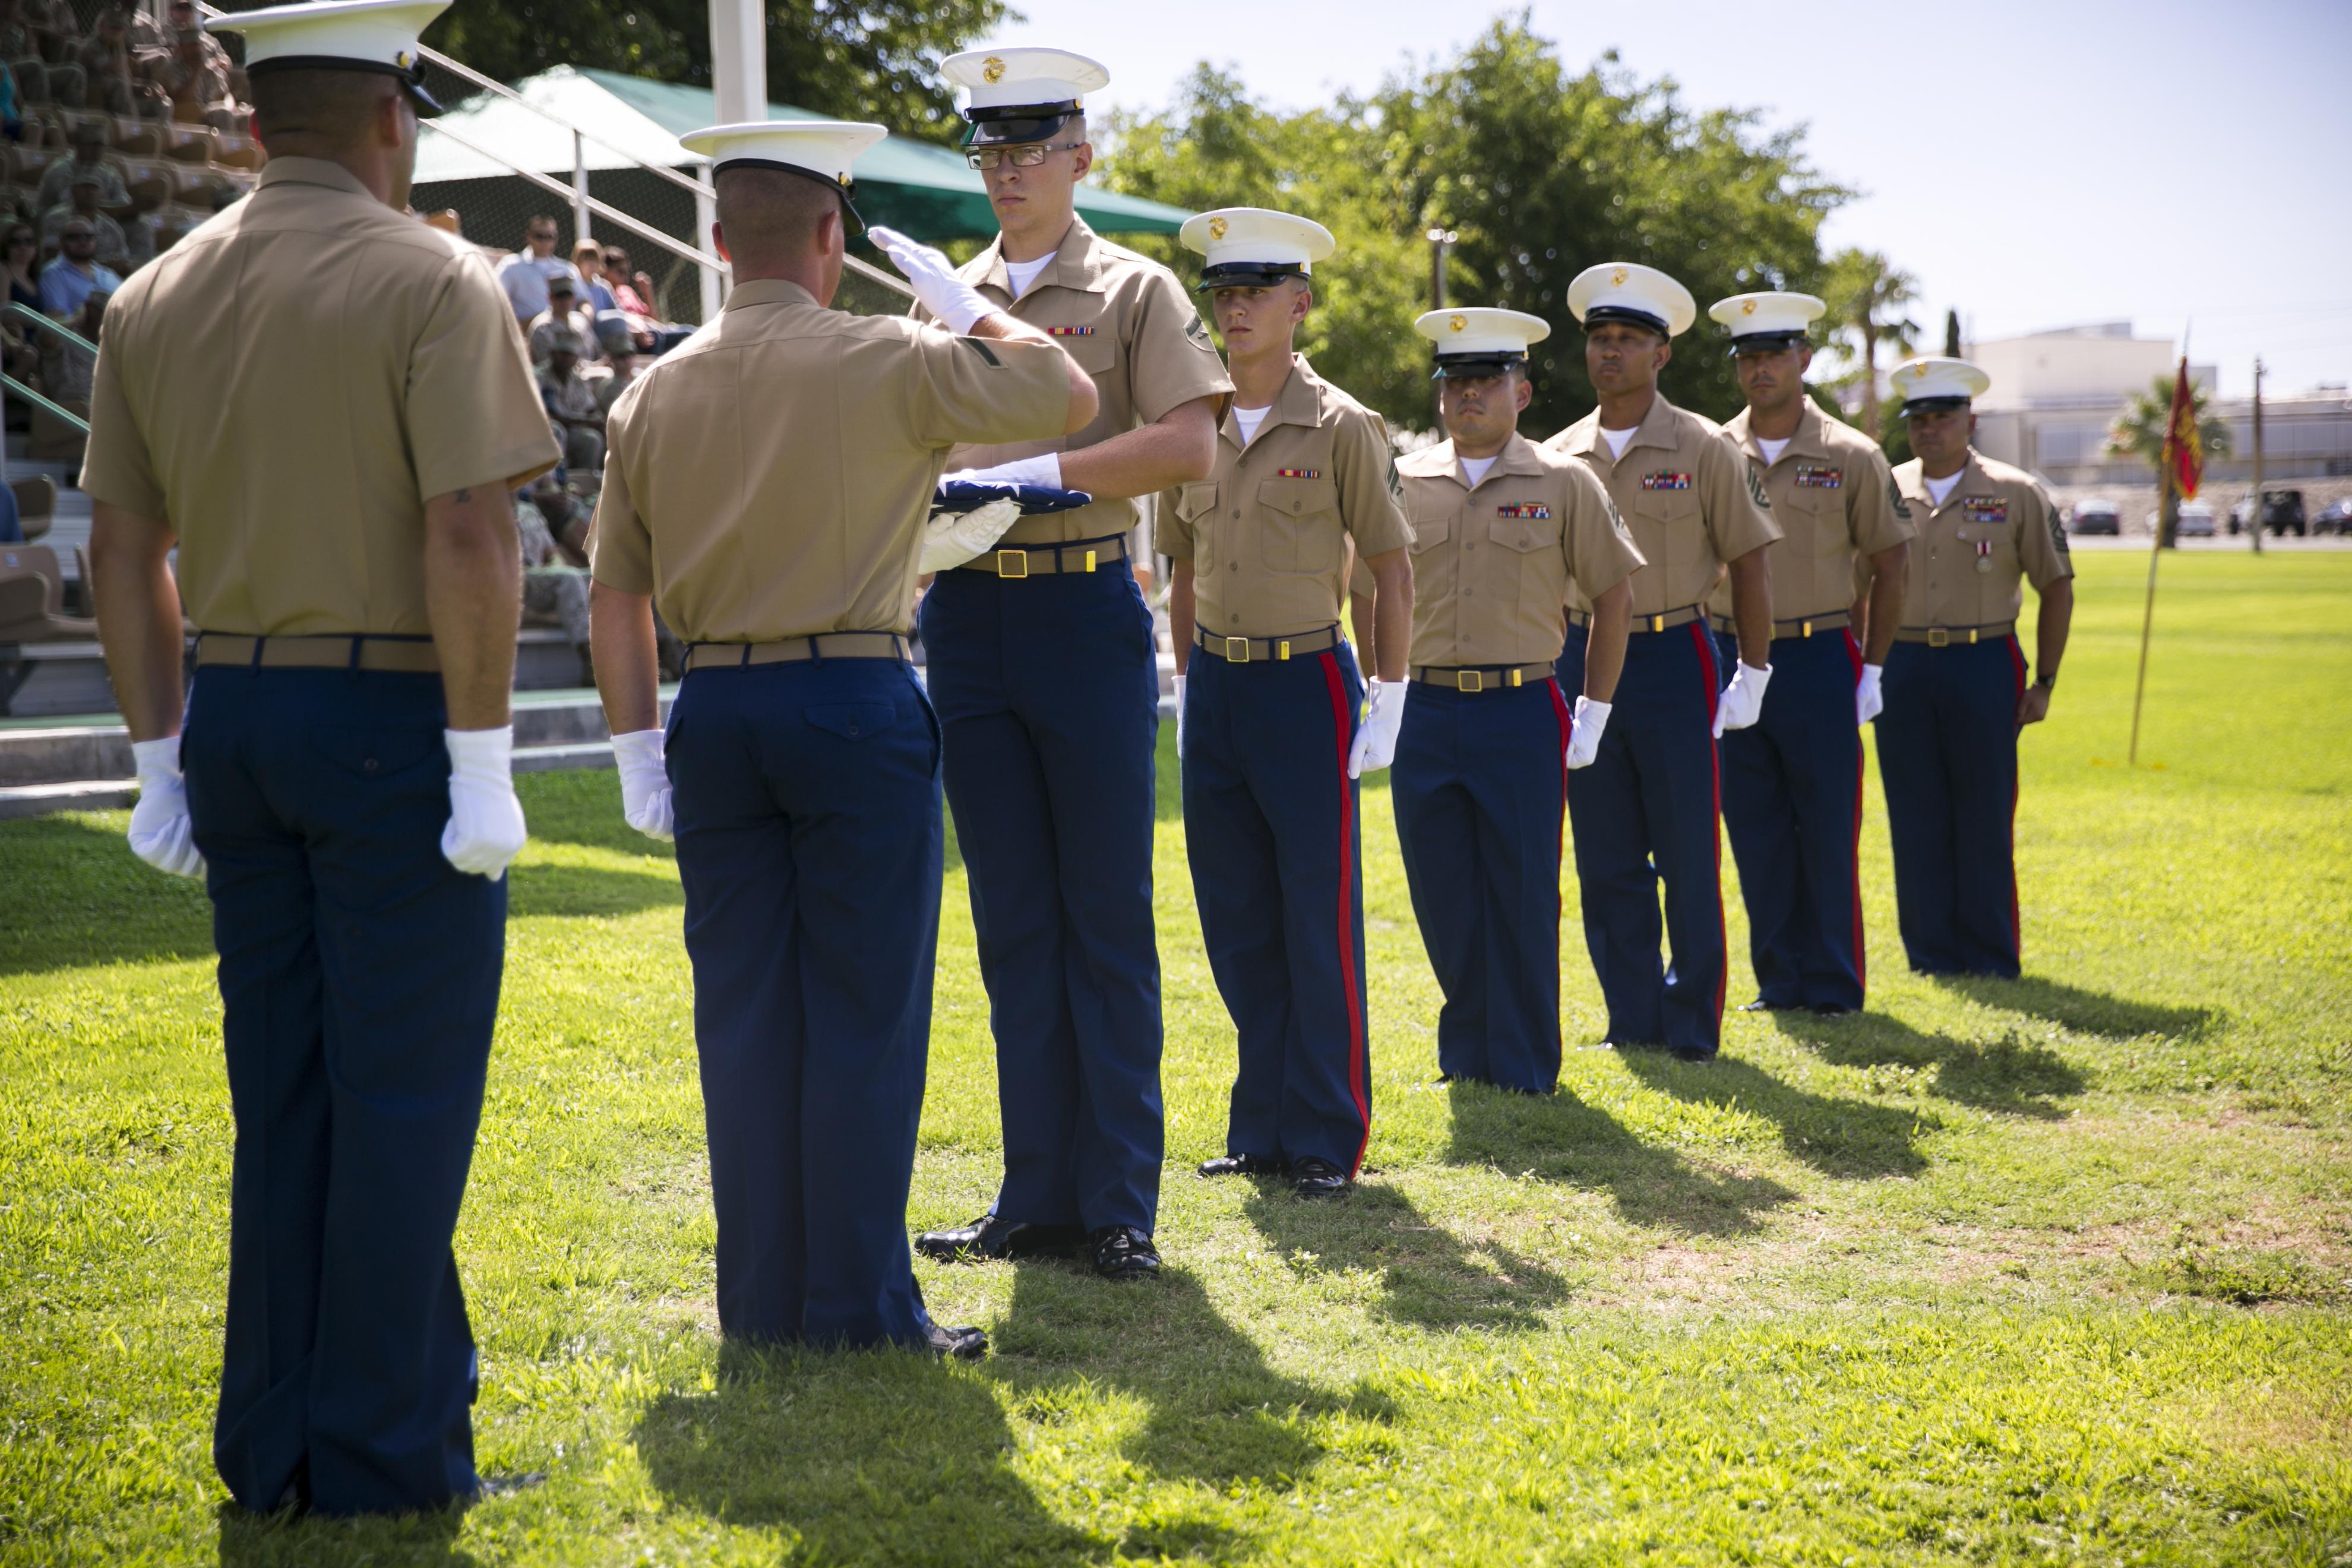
pixel 1657 623
pixel 1241 658
pixel 1008 560
pixel 1469 680
pixel 1939 637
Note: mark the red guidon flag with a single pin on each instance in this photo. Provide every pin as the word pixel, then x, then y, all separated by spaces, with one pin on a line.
pixel 2184 455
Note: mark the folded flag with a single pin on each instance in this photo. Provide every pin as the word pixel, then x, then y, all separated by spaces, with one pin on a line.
pixel 968 495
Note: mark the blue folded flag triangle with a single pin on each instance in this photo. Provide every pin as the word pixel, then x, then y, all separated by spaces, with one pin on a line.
pixel 970 495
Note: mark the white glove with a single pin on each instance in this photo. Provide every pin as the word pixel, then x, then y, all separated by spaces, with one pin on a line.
pixel 1180 716
pixel 161 834
pixel 645 783
pixel 1045 470
pixel 1376 737
pixel 1869 702
pixel 1743 699
pixel 1584 732
pixel 955 302
pixel 486 829
pixel 952 537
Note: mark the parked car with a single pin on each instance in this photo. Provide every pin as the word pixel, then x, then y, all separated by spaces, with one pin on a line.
pixel 2095 516
pixel 2282 513
pixel 2196 521
pixel 2336 517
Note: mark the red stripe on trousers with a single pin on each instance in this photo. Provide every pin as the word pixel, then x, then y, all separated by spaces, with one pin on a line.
pixel 2016 932
pixel 1860 963
pixel 1567 720
pixel 1359 1063
pixel 1703 641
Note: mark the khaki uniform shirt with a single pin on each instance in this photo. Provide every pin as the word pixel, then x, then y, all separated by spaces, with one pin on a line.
pixel 1129 324
pixel 1834 498
pixel 1265 532
pixel 289 385
pixel 1997 525
pixel 1687 500
pixel 769 476
pixel 57 184
pixel 1492 564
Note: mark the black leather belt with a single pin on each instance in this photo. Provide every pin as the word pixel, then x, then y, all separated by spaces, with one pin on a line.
pixel 1947 636
pixel 1486 677
pixel 1802 627
pixel 796 650
pixel 1665 623
pixel 1254 650
pixel 1046 560
pixel 357 650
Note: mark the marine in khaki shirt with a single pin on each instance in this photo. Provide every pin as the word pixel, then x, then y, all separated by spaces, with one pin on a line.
pixel 1688 501
pixel 368 413
pixel 755 520
pixel 1494 562
pixel 1125 321
pixel 1267 533
pixel 1833 497
pixel 1995 529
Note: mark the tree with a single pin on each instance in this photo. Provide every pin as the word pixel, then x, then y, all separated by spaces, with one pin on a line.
pixel 1540 171
pixel 1864 290
pixel 875 60
pixel 2140 431
pixel 1952 334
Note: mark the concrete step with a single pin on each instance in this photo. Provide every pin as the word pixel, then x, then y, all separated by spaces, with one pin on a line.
pixel 86 794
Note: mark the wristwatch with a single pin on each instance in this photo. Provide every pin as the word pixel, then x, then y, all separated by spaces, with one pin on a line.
pixel 2047 682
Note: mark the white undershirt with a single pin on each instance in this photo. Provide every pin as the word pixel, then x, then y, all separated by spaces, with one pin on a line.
pixel 1772 449
pixel 1940 491
pixel 1477 468
pixel 1249 419
pixel 1617 439
pixel 1023 273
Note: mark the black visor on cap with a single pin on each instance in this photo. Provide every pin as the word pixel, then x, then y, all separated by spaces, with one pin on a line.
pixel 1602 315
pixel 412 75
pixel 1248 274
pixel 1765 342
pixel 1011 124
pixel 849 214
pixel 1474 367
pixel 1932 405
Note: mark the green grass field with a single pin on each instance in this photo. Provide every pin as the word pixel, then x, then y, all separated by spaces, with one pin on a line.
pixel 2051 1270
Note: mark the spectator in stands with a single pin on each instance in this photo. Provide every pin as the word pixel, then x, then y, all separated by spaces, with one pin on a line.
pixel 57 31
pixel 564 314
pixel 447 220
pixel 66 368
pixel 196 81
pixel 553 526
pixel 67 282
pixel 526 274
pixel 620 348
pixel 588 261
pixel 23 248
pixel 111 75
pixel 113 248
pixel 20 46
pixel 12 115
pixel 571 400
pixel 88 152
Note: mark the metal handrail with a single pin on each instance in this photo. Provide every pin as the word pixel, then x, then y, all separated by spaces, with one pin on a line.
pixel 35 398
pixel 478 79
pixel 51 324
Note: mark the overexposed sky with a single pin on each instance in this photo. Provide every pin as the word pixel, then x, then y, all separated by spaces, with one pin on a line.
pixel 2034 162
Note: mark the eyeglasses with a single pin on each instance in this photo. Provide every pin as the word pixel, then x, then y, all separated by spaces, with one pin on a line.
pixel 1023 157
pixel 541 233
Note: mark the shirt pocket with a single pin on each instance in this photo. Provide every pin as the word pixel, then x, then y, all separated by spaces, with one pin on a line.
pixel 1298 529
pixel 1429 533
pixel 1088 334
pixel 1515 528
pixel 1987 549
pixel 1196 508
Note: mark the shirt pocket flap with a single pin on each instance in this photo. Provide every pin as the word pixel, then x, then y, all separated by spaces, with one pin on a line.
pixel 1299 498
pixel 1524 534
pixel 1430 532
pixel 1091 339
pixel 1667 505
pixel 1195 501
pixel 851 721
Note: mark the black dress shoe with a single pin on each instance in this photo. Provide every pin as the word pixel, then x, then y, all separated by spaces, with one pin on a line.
pixel 1241 1166
pixel 1124 1252
pixel 1314 1178
pixel 957 1344
pixel 989 1237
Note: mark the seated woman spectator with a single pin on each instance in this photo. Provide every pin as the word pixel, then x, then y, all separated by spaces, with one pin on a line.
pixel 22 249
pixel 588 260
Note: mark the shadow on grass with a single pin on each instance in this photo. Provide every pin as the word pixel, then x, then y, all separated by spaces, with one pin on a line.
pixel 582 806
pixel 282 1541
pixel 1217 1413
pixel 1429 1276
pixel 2085 1011
pixel 2009 1076
pixel 588 891
pixel 867 1457
pixel 1835 1136
pixel 1559 1138
pixel 78 897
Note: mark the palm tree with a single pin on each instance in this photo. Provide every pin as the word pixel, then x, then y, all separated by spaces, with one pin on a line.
pixel 1866 294
pixel 2140 430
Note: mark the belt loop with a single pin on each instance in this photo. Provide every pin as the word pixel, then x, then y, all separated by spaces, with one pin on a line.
pixel 743 657
pixel 258 643
pixel 353 668
pixel 816 648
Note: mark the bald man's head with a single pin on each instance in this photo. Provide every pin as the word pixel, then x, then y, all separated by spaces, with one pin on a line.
pixel 771 216
pixel 328 112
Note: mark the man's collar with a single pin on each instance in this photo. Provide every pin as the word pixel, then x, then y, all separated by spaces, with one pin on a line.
pixel 313 172
pixel 1519 456
pixel 1658 426
pixel 1807 442
pixel 768 292
pixel 1077 263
